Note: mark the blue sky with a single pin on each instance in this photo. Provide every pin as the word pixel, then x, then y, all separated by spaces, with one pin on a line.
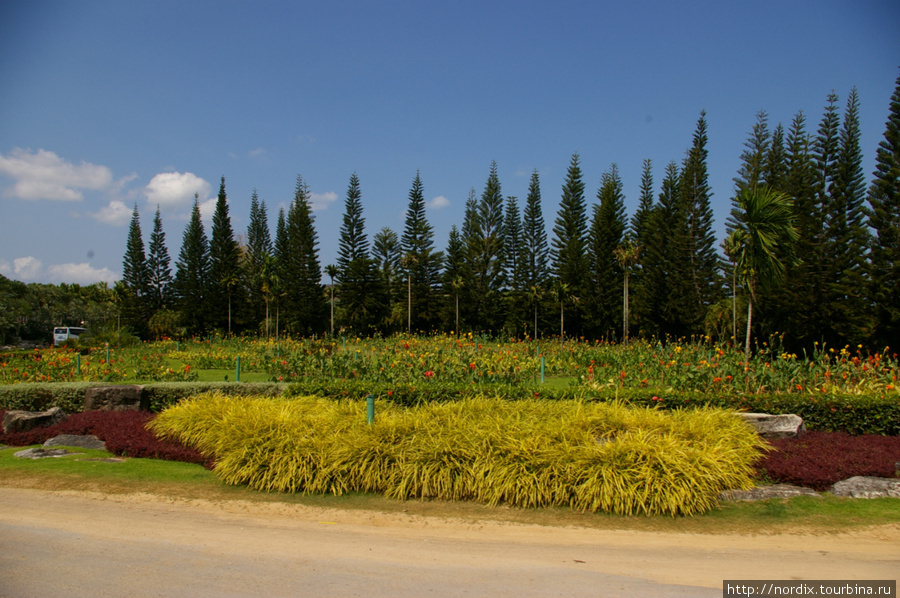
pixel 104 105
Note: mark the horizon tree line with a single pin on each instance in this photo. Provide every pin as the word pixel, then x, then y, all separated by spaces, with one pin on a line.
pixel 827 272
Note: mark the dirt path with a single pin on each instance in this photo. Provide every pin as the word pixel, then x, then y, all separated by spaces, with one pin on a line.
pixel 89 544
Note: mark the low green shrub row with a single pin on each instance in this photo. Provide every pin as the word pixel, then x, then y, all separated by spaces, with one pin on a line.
pixel 854 414
pixel 590 456
pixel 69 396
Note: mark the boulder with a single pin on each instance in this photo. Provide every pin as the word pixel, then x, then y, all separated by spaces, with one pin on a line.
pixel 767 492
pixel 88 442
pixel 22 421
pixel 41 453
pixel 775 426
pixel 122 397
pixel 867 487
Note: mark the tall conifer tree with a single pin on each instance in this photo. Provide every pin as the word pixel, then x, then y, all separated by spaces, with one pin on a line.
pixel 535 251
pixel 362 297
pixel 420 263
pixel 258 254
pixel 486 247
pixel 846 236
pixel 704 286
pixel 639 233
pixel 305 308
pixel 136 277
pixel 884 219
pixel 159 267
pixel 568 247
pixel 604 299
pixel 192 275
pixel 224 266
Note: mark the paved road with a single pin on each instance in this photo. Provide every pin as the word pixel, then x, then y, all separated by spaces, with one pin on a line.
pixel 66 544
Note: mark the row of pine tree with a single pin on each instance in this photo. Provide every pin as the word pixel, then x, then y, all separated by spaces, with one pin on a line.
pixel 599 275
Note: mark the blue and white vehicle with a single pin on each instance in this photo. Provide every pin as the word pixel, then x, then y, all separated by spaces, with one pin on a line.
pixel 62 333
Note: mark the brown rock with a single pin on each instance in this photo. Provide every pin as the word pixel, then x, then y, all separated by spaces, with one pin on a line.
pixel 122 397
pixel 22 421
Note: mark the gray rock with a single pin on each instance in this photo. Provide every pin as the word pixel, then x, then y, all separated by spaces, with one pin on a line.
pixel 775 426
pixel 767 492
pixel 122 397
pixel 41 453
pixel 867 487
pixel 22 421
pixel 88 442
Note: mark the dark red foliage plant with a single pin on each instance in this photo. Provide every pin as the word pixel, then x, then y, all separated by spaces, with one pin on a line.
pixel 820 459
pixel 124 432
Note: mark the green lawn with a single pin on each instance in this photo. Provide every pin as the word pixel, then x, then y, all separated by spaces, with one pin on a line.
pixel 182 480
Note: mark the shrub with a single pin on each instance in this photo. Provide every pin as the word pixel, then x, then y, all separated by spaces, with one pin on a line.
pixel 124 432
pixel 818 459
pixel 69 396
pixel 528 453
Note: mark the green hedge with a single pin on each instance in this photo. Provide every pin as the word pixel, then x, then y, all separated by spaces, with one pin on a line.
pixel 855 414
pixel 69 396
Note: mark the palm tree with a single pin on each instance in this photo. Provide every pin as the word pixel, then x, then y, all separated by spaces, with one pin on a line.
pixel 562 292
pixel 763 240
pixel 535 293
pixel 731 251
pixel 230 281
pixel 407 262
pixel 627 254
pixel 331 270
pixel 270 285
pixel 457 283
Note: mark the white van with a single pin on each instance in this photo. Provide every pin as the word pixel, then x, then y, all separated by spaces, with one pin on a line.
pixel 63 333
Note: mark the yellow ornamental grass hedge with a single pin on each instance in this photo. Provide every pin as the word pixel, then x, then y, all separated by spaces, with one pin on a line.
pixel 529 453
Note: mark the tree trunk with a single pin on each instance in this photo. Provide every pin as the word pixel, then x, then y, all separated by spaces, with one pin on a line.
pixel 561 322
pixel 625 311
pixel 747 341
pixel 457 315
pixel 734 307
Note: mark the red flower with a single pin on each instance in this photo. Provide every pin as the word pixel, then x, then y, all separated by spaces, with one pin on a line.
pixel 429 374
pixel 390 393
pixel 471 366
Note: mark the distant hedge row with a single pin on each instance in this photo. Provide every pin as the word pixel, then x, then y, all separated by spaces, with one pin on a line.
pixel 854 414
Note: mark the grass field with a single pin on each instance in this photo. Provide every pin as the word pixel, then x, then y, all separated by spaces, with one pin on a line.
pixel 169 479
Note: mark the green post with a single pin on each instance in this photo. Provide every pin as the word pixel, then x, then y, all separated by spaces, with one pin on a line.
pixel 107 353
pixel 370 409
pixel 542 369
pixel 237 370
pixel 78 363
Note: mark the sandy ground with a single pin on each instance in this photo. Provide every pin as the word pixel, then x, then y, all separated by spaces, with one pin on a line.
pixel 90 544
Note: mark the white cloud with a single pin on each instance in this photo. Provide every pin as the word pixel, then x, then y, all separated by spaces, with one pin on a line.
pixel 439 202
pixel 321 201
pixel 207 209
pixel 44 175
pixel 115 213
pixel 27 267
pixel 31 269
pixel 172 189
pixel 257 153
pixel 82 273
